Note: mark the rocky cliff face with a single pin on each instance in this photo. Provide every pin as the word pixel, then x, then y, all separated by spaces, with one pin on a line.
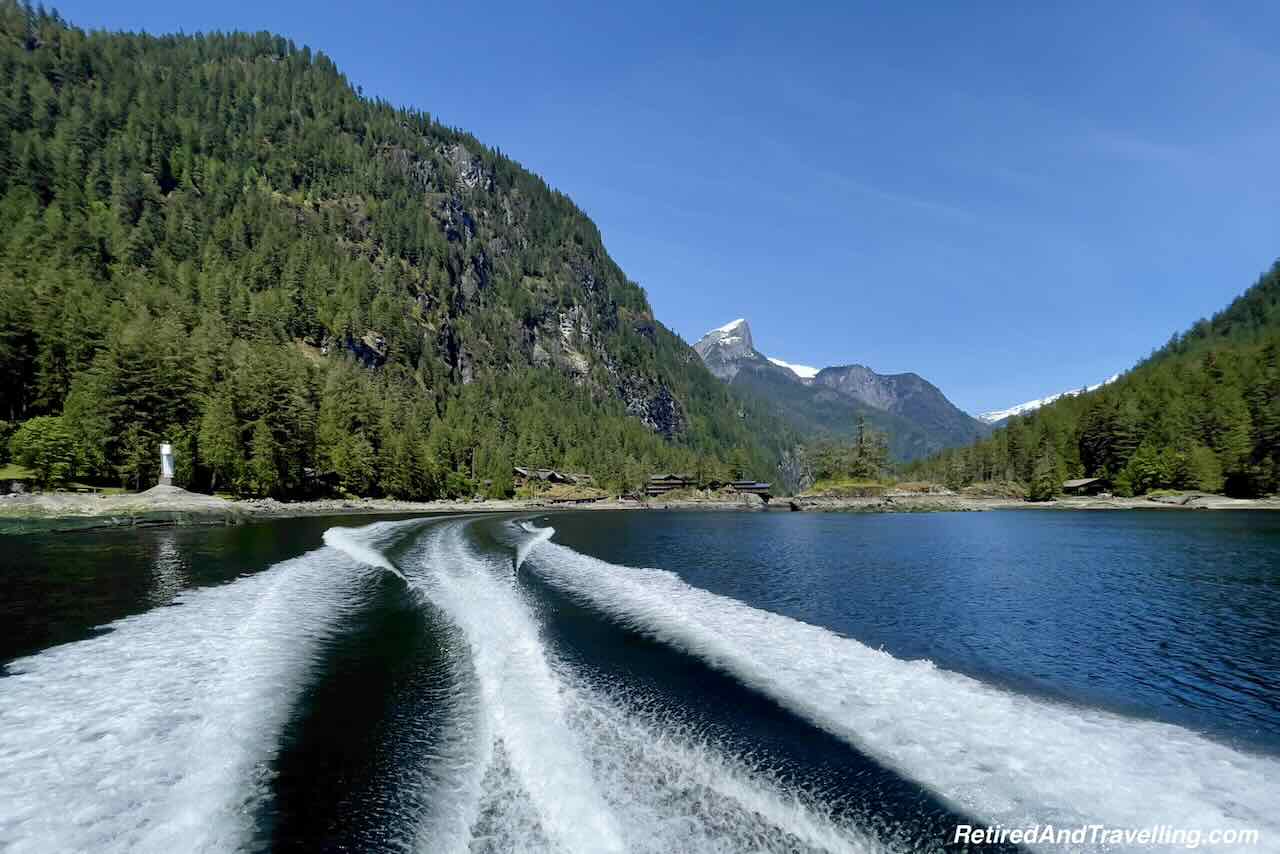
pixel 513 292
pixel 908 395
pixel 915 413
pixel 862 383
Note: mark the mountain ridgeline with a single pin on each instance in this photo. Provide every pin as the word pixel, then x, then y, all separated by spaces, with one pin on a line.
pixel 1201 413
pixel 215 241
pixel 915 415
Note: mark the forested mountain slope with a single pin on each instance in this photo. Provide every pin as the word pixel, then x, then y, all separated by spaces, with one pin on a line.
pixel 1202 412
pixel 214 240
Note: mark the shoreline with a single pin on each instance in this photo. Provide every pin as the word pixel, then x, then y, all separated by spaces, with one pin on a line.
pixel 954 502
pixel 54 512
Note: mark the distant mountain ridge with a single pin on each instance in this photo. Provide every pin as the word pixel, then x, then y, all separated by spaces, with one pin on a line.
pixel 907 395
pixel 918 417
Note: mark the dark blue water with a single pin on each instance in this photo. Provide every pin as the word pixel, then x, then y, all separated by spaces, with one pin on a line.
pixel 1175 616
pixel 407 689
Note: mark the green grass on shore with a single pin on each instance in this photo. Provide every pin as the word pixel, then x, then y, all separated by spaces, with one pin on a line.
pixel 13 471
pixel 846 487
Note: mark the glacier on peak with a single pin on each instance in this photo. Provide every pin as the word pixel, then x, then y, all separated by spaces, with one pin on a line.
pixel 804 372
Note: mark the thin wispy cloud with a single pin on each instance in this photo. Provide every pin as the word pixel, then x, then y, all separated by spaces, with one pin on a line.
pixel 907 200
pixel 1132 147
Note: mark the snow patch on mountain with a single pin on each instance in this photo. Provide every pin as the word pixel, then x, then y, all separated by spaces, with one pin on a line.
pixel 728 327
pixel 804 372
pixel 1031 405
pixel 723 348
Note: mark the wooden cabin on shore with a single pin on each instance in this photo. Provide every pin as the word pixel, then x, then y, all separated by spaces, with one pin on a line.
pixel 523 475
pixel 661 484
pixel 658 484
pixel 1084 486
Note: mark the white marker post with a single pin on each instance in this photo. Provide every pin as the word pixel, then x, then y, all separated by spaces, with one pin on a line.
pixel 166 464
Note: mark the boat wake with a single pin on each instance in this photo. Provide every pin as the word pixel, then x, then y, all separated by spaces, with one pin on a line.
pixel 157 735
pixel 357 547
pixel 1005 758
pixel 160 734
pixel 561 765
pixel 528 544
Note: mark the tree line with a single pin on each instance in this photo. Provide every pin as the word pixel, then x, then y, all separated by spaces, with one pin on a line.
pixel 1201 413
pixel 214 241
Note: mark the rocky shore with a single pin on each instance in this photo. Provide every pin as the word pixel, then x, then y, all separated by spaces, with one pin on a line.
pixel 169 505
pixel 944 502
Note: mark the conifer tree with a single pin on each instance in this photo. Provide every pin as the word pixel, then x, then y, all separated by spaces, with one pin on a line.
pixel 1045 479
pixel 220 442
pixel 263 471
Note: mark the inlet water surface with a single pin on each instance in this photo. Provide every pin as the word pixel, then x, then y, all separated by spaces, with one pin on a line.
pixel 637 681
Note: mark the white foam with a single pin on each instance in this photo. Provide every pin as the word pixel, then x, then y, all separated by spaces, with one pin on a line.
pixel 453 780
pixel 156 736
pixel 673 789
pixel 1003 757
pixel 519 696
pixel 355 544
pixel 571 769
pixel 540 536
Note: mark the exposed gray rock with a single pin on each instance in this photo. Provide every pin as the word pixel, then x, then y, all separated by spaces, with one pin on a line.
pixel 917 416
pixel 469 168
pixel 908 395
pixel 370 349
pixel 459 226
pixel 656 408
pixel 724 349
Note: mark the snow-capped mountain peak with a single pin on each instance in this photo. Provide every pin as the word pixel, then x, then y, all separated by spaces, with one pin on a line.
pixel 1031 405
pixel 731 340
pixel 725 346
pixel 804 372
pixel 729 327
pixel 911 410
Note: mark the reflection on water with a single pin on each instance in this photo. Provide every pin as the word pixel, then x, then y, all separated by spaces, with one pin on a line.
pixel 168 569
pixel 61 587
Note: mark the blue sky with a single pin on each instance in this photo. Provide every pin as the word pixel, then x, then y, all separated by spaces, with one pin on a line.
pixel 1008 200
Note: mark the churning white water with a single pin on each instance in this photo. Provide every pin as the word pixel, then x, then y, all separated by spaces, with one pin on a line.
pixel 673 789
pixel 356 546
pixel 516 693
pixel 156 736
pixel 1000 756
pixel 528 544
pixel 561 766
